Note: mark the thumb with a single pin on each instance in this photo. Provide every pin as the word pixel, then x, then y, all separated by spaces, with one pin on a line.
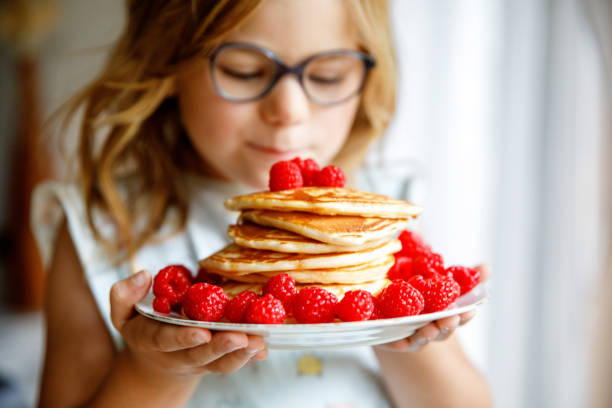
pixel 485 271
pixel 125 294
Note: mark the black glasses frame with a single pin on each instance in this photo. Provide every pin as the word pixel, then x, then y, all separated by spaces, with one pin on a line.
pixel 283 69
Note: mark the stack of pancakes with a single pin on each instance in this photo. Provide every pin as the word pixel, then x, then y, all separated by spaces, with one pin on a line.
pixel 335 238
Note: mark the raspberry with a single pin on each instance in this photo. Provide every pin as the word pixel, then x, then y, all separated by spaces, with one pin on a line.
pixel 330 176
pixel 467 278
pixel 283 288
pixel 401 269
pixel 400 299
pixel 161 305
pixel 285 175
pixel 356 305
pixel 376 313
pixel 309 168
pixel 205 302
pixel 412 244
pixel 266 310
pixel 237 307
pixel 172 283
pixel 207 277
pixel 314 305
pixel 428 265
pixel 438 291
pixel 417 281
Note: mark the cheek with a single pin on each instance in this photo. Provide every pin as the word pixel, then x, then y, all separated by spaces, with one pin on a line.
pixel 334 125
pixel 202 115
pixel 214 125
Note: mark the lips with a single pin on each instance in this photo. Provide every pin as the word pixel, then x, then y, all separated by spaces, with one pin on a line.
pixel 274 151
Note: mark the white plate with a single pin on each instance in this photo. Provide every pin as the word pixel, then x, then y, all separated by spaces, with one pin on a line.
pixel 326 335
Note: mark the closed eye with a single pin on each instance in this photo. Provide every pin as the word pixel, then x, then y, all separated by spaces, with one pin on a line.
pixel 242 75
pixel 325 80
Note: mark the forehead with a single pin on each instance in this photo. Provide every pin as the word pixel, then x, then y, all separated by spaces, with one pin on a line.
pixel 296 29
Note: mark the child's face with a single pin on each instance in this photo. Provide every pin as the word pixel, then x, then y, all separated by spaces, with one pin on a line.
pixel 241 140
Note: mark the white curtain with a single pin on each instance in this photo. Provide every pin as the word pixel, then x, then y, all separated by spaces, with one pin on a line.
pixel 501 122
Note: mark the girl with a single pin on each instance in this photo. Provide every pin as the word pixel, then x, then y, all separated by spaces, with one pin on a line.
pixel 190 109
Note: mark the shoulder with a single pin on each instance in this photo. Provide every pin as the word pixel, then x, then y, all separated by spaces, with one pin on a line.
pixel 67 285
pixel 70 251
pixel 54 201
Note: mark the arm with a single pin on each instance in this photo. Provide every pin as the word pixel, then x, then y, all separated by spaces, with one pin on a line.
pixel 160 365
pixel 437 375
pixel 79 350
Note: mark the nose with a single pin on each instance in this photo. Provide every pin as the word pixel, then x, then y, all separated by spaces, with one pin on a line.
pixel 286 104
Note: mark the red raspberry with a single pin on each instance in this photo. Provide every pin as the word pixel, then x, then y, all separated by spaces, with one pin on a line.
pixel 400 299
pixel 205 302
pixel 172 282
pixel 428 265
pixel 412 244
pixel 417 281
pixel 266 310
pixel 161 305
pixel 467 278
pixel 208 277
pixel 283 288
pixel 376 313
pixel 438 291
pixel 356 305
pixel 237 307
pixel 401 269
pixel 330 176
pixel 309 168
pixel 314 305
pixel 285 175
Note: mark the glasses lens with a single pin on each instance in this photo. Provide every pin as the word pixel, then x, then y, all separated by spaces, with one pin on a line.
pixel 333 78
pixel 242 73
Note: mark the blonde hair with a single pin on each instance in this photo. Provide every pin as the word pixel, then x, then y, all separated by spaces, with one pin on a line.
pixel 131 130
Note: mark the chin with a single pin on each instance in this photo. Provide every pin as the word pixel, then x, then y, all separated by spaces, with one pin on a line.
pixel 255 178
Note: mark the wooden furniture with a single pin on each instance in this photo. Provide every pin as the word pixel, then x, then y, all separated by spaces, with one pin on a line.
pixel 24 25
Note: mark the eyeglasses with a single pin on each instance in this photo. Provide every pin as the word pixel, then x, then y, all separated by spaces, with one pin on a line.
pixel 243 72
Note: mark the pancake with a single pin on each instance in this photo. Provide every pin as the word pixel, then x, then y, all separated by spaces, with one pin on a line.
pixel 338 230
pixel 241 261
pixel 366 272
pixel 326 201
pixel 232 288
pixel 271 239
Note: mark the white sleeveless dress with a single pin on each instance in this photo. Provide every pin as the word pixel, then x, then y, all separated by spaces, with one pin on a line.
pixel 347 378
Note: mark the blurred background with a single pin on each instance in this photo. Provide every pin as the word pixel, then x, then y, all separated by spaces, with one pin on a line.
pixel 503 131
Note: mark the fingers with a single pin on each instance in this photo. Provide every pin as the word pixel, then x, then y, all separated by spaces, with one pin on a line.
pixel 125 294
pixel 446 327
pixel 262 355
pixel 423 336
pixel 174 347
pixel 147 334
pixel 439 330
pixel 222 343
pixel 485 271
pixel 436 331
pixel 235 360
pixel 398 345
pixel 466 317
pixel 191 349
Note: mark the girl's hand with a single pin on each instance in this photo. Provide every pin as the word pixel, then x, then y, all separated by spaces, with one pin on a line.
pixel 438 330
pixel 175 351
